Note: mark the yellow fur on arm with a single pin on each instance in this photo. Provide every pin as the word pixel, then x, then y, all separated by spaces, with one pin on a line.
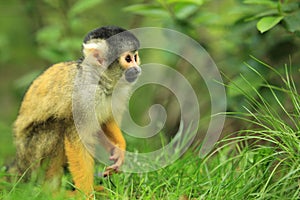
pixel 114 133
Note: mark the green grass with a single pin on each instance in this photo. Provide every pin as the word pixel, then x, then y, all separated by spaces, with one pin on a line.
pixel 261 162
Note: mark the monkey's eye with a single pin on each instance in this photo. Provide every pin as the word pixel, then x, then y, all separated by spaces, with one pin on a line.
pixel 135 57
pixel 128 58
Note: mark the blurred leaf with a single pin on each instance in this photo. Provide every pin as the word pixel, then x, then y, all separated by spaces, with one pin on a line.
pixel 72 43
pixel 76 24
pixel 83 5
pixel 182 11
pixel 262 2
pixel 198 2
pixel 292 22
pixel 266 23
pixel 51 54
pixel 48 34
pixel 147 10
pixel 206 18
pixel 49 42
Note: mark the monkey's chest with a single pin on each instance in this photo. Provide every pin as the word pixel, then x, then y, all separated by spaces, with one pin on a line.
pixel 110 106
pixel 103 108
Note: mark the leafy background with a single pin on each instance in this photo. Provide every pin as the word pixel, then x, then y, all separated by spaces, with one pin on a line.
pixel 236 33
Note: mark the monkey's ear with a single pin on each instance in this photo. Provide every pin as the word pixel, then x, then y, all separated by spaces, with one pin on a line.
pixel 94 53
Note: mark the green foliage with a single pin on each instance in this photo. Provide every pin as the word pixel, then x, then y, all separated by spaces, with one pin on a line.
pixel 266 23
pixel 270 13
pixel 262 162
pixel 275 140
pixel 210 27
pixel 147 10
pixel 54 46
pixel 82 6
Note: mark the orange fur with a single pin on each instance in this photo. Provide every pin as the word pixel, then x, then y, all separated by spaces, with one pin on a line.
pixel 114 133
pixel 81 165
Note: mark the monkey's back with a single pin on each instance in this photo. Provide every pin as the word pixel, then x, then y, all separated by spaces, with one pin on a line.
pixel 48 97
pixel 45 115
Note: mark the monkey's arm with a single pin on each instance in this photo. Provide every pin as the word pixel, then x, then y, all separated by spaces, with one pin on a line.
pixel 114 134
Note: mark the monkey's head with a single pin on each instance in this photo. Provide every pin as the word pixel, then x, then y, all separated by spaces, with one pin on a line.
pixel 114 50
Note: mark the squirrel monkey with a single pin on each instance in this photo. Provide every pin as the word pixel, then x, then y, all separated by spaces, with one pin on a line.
pixel 44 131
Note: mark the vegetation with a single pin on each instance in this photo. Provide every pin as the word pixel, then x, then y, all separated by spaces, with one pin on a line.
pixel 255 44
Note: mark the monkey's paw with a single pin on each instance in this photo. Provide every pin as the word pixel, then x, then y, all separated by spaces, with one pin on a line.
pixel 117 156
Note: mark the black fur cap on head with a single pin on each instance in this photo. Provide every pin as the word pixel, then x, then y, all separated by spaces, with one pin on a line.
pixel 103 33
pixel 119 40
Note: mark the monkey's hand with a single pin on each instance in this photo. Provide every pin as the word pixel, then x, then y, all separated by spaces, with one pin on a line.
pixel 117 156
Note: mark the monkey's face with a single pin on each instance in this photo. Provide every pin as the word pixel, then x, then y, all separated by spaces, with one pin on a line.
pixel 97 54
pixel 113 50
pixel 130 61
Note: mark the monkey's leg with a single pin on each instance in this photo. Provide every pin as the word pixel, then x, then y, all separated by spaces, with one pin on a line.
pixel 114 134
pixel 81 165
pixel 36 149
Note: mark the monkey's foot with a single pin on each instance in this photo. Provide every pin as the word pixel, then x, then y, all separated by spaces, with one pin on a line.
pixel 111 170
pixel 118 158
